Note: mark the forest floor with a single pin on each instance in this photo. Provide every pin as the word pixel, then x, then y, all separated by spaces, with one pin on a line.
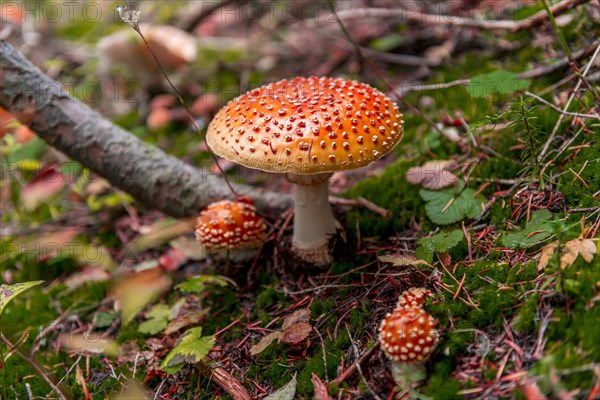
pixel 508 249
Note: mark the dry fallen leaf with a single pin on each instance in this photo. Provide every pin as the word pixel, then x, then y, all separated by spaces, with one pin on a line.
pixel 86 275
pixel 135 291
pixel 400 260
pixel 302 315
pixel 88 343
pixel 296 333
pixel 264 343
pixel 433 175
pixel 545 255
pixel 47 182
pixel 185 320
pixel 586 247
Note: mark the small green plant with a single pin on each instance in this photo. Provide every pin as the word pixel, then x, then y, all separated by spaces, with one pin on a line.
pixel 192 348
pixel 439 243
pixel 453 204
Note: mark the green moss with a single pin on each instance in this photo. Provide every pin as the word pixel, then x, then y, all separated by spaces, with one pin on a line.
pixel 130 332
pixel 526 317
pixel 268 298
pixel 316 365
pixel 390 191
pixel 576 193
pixel 440 385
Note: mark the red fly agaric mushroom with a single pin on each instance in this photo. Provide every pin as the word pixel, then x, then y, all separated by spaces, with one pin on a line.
pixel 408 337
pixel 413 297
pixel 230 225
pixel 307 128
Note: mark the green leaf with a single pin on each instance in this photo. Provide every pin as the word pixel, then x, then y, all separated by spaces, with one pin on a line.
pixel 191 349
pixel 503 82
pixel 452 205
pixel 197 284
pixel 104 319
pixel 388 42
pixel 444 241
pixel 540 227
pixel 438 243
pixel 9 292
pixel 285 393
pixel 158 319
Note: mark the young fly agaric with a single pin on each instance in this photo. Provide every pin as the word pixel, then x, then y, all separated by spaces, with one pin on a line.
pixel 413 297
pixel 307 128
pixel 408 337
pixel 229 225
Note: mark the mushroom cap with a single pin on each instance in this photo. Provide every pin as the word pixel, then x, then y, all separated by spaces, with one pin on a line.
pixel 306 126
pixel 413 297
pixel 408 335
pixel 230 225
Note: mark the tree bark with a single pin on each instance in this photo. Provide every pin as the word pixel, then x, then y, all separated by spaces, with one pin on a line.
pixel 156 179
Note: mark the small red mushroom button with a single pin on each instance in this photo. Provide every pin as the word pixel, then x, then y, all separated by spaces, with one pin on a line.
pixel 408 335
pixel 230 225
pixel 413 297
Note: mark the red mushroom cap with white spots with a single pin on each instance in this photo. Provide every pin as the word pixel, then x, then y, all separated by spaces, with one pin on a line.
pixel 230 225
pixel 413 297
pixel 408 335
pixel 306 126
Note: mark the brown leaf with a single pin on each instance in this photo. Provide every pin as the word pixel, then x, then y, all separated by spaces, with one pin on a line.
pixel 47 182
pixel 296 333
pixel 302 315
pixel 264 343
pixel 161 232
pixel 321 392
pixel 92 343
pixel 189 247
pixel 135 291
pixel 433 175
pixel 86 275
pixel 546 254
pixel 172 259
pixel 445 259
pixel 185 320
pixel 586 247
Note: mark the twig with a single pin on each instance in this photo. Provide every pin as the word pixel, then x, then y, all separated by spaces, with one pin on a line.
pixel 572 114
pixel 188 22
pixel 352 368
pixel 224 379
pixel 561 117
pixel 136 27
pixel 438 19
pixel 408 87
pixel 358 368
pixel 360 202
pixel 583 210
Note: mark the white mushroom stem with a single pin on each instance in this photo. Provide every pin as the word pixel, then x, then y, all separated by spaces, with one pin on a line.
pixel 408 375
pixel 313 220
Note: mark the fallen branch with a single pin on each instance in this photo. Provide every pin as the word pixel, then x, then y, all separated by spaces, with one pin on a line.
pixel 156 179
pixel 414 15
